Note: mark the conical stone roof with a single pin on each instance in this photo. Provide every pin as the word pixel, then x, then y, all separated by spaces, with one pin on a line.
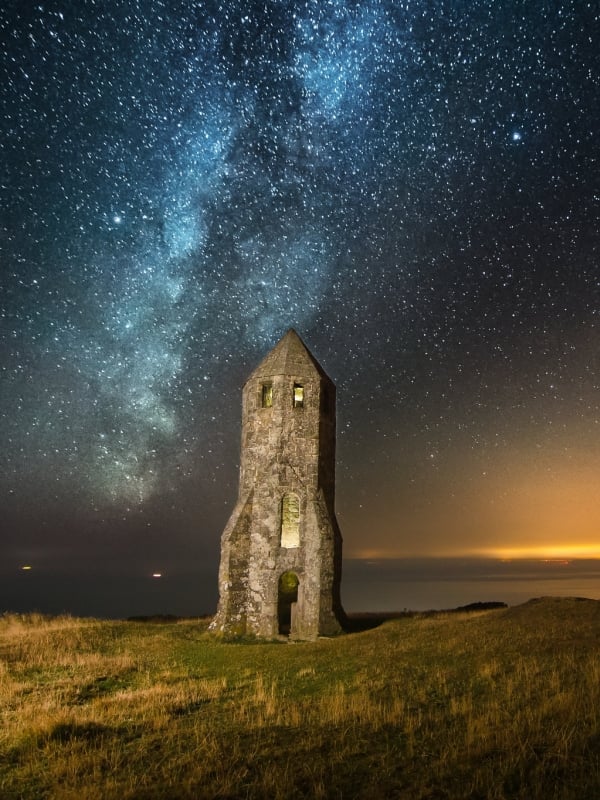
pixel 290 356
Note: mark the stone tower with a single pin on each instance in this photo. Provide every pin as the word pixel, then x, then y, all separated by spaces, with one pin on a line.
pixel 281 549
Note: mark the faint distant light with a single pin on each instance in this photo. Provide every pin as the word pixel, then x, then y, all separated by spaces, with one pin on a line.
pixel 26 567
pixel 157 574
pixel 117 219
pixel 517 136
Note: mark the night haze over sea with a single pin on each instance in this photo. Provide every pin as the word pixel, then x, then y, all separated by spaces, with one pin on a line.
pixel 413 186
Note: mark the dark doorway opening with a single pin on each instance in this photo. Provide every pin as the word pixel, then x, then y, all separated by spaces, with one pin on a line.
pixel 287 598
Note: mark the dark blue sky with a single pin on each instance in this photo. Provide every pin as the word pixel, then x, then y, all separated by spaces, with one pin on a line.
pixel 413 186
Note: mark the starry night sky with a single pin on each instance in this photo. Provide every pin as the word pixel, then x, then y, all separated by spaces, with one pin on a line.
pixel 414 186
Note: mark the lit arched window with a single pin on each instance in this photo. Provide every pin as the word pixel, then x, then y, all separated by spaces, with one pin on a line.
pixel 290 520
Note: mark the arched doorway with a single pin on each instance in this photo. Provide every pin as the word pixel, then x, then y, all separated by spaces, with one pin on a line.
pixel 287 597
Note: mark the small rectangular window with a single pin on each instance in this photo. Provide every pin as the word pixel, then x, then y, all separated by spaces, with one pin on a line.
pixel 267 395
pixel 298 396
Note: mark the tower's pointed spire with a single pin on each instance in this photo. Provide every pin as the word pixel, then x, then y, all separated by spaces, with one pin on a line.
pixel 290 356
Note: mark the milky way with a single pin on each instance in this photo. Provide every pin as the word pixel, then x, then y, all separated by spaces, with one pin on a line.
pixel 413 186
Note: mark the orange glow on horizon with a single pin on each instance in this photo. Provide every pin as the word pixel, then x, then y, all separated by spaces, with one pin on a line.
pixel 528 503
pixel 547 553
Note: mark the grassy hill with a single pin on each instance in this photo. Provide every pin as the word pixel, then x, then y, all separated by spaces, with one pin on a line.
pixel 494 704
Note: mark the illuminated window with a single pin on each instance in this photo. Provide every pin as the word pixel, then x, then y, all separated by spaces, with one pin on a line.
pixel 290 520
pixel 298 396
pixel 267 395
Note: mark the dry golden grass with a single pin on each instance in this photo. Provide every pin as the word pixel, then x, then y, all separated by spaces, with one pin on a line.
pixel 503 704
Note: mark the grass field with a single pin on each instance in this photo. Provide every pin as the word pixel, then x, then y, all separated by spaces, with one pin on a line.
pixel 498 704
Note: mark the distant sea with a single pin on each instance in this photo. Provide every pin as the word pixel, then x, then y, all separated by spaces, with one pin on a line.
pixel 420 584
pixel 415 584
